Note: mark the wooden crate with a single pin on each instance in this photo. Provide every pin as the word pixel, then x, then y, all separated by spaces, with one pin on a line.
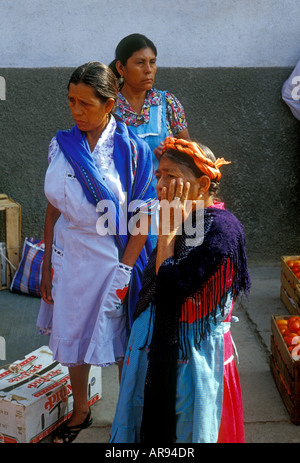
pixel 12 226
pixel 290 286
pixel 285 368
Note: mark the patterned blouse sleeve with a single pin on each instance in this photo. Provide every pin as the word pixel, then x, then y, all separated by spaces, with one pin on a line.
pixel 175 114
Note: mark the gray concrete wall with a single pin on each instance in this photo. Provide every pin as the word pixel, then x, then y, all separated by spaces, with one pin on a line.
pixel 237 112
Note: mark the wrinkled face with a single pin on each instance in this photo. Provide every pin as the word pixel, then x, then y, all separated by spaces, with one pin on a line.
pixel 140 69
pixel 168 170
pixel 88 112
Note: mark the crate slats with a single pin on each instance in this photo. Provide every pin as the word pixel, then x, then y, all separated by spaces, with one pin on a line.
pixel 12 225
pixel 286 371
pixel 290 286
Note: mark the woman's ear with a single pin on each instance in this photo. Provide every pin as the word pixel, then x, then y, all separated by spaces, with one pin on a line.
pixel 204 184
pixel 109 104
pixel 119 67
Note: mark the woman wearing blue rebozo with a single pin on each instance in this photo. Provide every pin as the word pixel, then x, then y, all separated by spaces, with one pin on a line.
pixel 87 272
pixel 152 114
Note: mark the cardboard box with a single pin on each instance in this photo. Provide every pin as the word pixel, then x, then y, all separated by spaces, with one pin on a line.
pixel 285 368
pixel 36 397
pixel 290 286
pixel 12 227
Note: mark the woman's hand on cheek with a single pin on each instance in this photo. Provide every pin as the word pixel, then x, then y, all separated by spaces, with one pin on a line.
pixel 174 206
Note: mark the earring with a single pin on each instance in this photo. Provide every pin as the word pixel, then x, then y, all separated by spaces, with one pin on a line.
pixel 121 81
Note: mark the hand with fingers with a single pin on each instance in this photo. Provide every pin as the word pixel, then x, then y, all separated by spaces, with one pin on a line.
pixel 174 207
pixel 46 285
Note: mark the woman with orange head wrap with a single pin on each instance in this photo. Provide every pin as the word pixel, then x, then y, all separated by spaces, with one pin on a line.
pixel 180 382
pixel 202 156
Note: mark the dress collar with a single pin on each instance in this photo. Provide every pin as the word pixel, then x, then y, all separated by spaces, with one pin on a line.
pixel 153 98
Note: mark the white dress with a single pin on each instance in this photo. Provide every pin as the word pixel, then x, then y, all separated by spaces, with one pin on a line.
pixel 87 322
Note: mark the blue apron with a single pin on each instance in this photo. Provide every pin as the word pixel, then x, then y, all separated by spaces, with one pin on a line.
pixel 153 133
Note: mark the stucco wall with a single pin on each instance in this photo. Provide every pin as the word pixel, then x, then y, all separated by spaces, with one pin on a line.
pixel 237 112
pixel 188 33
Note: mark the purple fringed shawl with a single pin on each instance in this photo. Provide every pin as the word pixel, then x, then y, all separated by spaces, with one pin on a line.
pixel 188 288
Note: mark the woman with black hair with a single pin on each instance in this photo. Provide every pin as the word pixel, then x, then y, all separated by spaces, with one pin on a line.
pixel 180 382
pixel 89 265
pixel 152 114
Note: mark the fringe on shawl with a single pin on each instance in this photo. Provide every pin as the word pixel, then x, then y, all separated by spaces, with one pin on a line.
pixel 170 332
pixel 200 309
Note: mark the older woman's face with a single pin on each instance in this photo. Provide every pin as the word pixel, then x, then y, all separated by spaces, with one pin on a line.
pixel 140 69
pixel 169 170
pixel 88 112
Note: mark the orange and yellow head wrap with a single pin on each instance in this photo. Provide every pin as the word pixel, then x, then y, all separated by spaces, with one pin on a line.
pixel 206 165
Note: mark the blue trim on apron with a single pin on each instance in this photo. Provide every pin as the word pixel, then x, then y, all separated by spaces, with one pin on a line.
pixel 153 133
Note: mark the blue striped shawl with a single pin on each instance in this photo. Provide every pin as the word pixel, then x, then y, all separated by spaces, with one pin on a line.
pixel 133 161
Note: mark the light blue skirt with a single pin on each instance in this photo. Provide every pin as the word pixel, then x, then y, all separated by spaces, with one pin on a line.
pixel 199 392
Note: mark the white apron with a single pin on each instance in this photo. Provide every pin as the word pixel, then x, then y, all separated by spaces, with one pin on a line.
pixel 86 321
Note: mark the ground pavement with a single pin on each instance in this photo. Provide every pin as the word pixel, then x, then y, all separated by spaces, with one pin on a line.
pixel 265 416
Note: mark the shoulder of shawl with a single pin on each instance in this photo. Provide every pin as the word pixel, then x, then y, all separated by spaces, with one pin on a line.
pixel 225 233
pixel 223 221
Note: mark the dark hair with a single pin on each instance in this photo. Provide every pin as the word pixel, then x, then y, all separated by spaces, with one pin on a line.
pixel 183 158
pixel 129 45
pixel 98 76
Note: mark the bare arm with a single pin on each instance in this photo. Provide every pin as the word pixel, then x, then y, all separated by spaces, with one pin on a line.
pixel 137 241
pixel 52 215
pixel 183 134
